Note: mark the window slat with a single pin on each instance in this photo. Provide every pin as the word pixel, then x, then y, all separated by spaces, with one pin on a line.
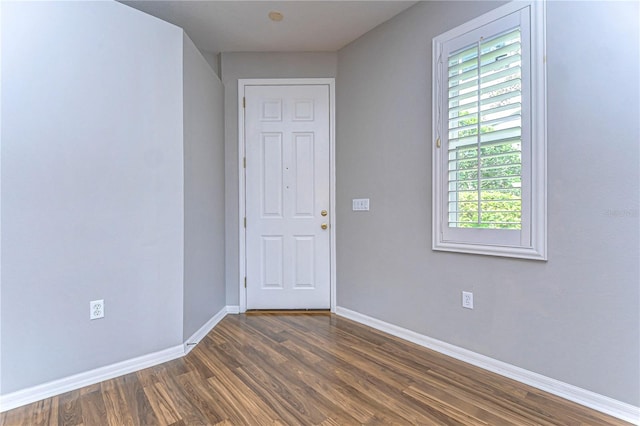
pixel 485 91
pixel 506 38
pixel 485 104
pixel 473 82
pixel 502 52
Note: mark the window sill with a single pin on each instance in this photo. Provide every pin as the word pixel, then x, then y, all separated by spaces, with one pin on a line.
pixel 529 253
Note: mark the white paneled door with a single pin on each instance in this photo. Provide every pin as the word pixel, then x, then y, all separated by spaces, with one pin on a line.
pixel 287 137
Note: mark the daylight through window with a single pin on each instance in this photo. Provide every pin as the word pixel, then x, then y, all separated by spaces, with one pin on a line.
pixel 489 155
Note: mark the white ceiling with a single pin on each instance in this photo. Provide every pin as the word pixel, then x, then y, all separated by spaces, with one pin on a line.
pixel 243 26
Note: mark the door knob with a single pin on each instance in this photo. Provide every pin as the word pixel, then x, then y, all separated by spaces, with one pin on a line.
pixel 323 212
pixel 323 226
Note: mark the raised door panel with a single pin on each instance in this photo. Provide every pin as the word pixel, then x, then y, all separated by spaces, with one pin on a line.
pixel 304 178
pixel 272 174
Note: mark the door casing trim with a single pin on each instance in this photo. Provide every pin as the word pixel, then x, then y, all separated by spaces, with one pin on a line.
pixel 242 83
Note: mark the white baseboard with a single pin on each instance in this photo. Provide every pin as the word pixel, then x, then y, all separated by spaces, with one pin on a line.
pixel 56 387
pixel 66 384
pixel 233 309
pixel 581 396
pixel 192 341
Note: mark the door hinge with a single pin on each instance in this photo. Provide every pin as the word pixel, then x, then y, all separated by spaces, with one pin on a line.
pixel 245 221
pixel 244 162
pixel 245 282
pixel 244 102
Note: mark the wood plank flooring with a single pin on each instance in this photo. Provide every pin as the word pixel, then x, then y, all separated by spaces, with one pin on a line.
pixel 306 370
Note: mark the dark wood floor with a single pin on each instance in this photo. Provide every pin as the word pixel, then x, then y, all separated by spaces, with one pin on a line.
pixel 306 369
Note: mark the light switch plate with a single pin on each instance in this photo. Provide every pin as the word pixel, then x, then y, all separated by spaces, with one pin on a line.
pixel 361 204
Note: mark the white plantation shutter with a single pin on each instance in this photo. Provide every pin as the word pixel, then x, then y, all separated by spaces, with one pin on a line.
pixel 488 163
pixel 485 137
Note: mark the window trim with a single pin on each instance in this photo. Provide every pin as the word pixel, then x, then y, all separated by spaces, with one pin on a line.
pixel 537 228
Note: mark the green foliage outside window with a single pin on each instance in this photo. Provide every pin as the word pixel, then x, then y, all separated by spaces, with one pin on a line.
pixel 499 182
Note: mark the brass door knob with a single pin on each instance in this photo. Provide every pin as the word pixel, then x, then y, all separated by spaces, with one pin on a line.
pixel 323 212
pixel 324 226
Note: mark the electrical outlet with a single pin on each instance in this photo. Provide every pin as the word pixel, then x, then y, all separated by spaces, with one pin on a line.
pixel 467 299
pixel 96 309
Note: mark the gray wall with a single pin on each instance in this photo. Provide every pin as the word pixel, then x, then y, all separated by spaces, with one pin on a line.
pixel 92 194
pixel 214 61
pixel 574 318
pixel 204 285
pixel 255 65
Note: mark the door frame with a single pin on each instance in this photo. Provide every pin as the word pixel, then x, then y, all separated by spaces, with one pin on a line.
pixel 242 83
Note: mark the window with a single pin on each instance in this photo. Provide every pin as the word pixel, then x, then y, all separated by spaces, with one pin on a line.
pixel 489 160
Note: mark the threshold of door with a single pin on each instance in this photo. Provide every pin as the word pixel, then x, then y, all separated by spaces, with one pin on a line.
pixel 288 312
